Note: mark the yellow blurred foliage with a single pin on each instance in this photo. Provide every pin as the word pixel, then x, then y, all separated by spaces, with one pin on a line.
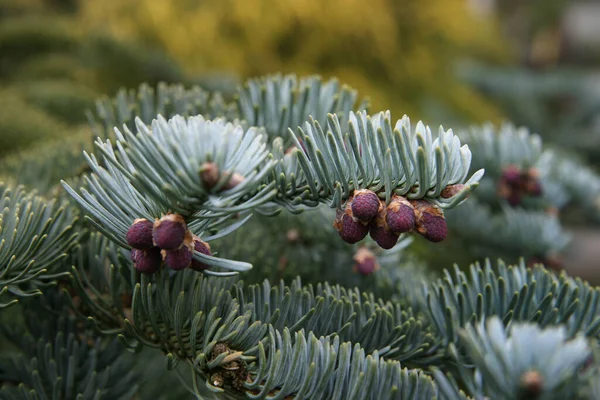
pixel 398 52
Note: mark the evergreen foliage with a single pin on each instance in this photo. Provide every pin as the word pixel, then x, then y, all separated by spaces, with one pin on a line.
pixel 251 187
pixel 522 218
pixel 35 234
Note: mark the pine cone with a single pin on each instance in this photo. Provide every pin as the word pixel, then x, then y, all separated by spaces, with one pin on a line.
pixel 139 235
pixel 178 259
pixel 147 261
pixel 351 230
pixel 169 232
pixel 400 215
pixel 511 174
pixel 365 262
pixel 380 231
pixel 430 221
pixel 201 247
pixel 364 204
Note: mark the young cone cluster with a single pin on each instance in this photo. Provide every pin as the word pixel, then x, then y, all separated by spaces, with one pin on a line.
pixel 366 213
pixel 167 241
pixel 515 183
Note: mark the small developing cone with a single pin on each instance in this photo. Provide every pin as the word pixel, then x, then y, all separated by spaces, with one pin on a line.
pixel 380 231
pixel 178 259
pixel 531 182
pixel 139 235
pixel 201 247
pixel 210 175
pixel 511 174
pixel 169 232
pixel 365 262
pixel 351 230
pixel 430 221
pixel 147 261
pixel 452 190
pixel 400 215
pixel 532 384
pixel 364 204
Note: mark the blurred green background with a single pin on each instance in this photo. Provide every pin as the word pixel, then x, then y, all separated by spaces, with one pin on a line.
pixel 446 61
pixel 450 62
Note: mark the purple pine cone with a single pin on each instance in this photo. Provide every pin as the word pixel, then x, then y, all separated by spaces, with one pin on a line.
pixel 400 215
pixel 169 232
pixel 511 174
pixel 139 235
pixel 147 261
pixel 365 205
pixel 350 229
pixel 430 221
pixel 380 231
pixel 201 247
pixel 365 262
pixel 178 259
pixel 385 238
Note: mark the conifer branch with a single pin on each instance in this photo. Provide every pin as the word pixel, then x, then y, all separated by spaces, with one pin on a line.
pixel 324 310
pixel 370 154
pixel 311 367
pixel 275 102
pixel 524 361
pixel 57 361
pixel 187 316
pixel 279 103
pixel 114 210
pixel 511 231
pixel 218 326
pixel 494 148
pixel 191 165
pixel 35 235
pixel 579 184
pixel 510 156
pixel 513 293
pixel 202 170
pixel 555 179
